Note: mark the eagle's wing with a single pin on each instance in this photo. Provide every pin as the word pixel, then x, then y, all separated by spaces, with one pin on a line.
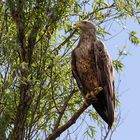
pixel 106 99
pixel 75 73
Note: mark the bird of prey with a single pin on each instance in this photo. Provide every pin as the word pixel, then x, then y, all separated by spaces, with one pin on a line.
pixel 93 69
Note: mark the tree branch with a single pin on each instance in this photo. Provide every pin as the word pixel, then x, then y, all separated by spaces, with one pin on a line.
pixel 72 120
pixel 65 41
pixel 63 109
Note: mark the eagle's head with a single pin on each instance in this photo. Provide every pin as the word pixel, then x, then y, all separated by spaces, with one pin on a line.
pixel 86 25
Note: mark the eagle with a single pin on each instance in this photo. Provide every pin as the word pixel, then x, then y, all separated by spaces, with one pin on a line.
pixel 92 69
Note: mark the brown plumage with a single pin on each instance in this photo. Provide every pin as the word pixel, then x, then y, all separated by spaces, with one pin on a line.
pixel 92 68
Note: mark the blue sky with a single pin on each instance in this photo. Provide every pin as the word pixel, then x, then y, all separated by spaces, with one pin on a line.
pixel 129 86
pixel 130 102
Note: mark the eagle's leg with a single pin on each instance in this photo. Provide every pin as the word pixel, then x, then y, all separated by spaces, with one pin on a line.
pixel 91 96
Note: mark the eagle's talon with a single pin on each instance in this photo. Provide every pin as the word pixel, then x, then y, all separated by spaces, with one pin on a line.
pixel 92 95
pixel 97 90
pixel 88 96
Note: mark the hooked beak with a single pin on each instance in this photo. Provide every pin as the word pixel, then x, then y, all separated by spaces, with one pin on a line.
pixel 77 25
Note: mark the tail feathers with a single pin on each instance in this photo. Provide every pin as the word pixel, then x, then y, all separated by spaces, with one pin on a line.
pixel 105 109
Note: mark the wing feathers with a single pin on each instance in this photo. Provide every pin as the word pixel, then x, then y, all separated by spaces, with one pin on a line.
pixel 105 76
pixel 75 73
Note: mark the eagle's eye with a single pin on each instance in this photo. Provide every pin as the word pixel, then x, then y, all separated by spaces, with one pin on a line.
pixel 84 22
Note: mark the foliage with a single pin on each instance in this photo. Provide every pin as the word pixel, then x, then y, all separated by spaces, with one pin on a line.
pixel 37 91
pixel 133 38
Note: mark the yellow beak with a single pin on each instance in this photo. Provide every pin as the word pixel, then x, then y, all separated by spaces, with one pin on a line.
pixel 78 25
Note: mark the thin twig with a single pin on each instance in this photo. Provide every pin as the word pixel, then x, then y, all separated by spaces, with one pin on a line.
pixel 65 41
pixel 106 134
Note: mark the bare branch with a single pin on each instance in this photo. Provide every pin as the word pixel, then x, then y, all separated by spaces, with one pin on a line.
pixel 105 137
pixel 72 120
pixel 63 109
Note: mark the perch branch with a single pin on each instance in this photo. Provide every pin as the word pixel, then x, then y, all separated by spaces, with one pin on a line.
pixel 72 120
pixel 88 100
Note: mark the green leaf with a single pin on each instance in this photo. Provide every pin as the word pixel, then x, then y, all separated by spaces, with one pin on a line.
pixel 118 65
pixel 133 38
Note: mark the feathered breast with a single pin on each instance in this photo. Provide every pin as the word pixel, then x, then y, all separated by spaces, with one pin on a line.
pixel 85 63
